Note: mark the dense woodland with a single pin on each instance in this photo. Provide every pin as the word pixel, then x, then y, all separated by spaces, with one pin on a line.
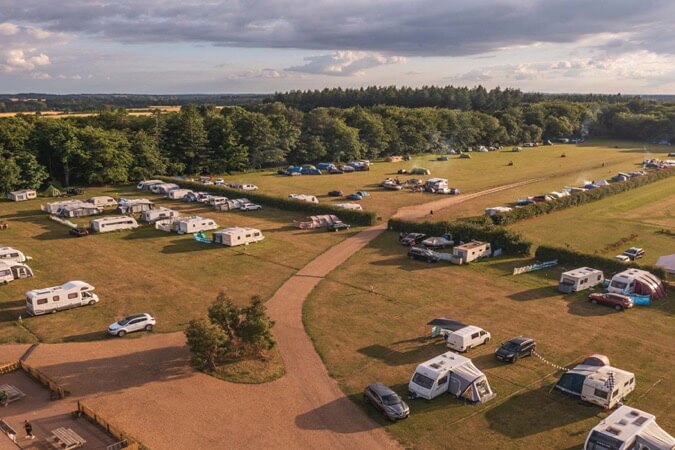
pixel 115 147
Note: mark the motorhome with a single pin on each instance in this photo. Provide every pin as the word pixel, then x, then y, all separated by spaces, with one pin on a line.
pixel 147 184
pixel 22 195
pixel 636 281
pixel 451 373
pixel 103 201
pixel 470 251
pixel 628 428
pixel 154 215
pixel 9 254
pixel 579 279
pixel 193 224
pixel 237 236
pixel 163 188
pixel 10 271
pixel 59 298
pixel 178 194
pixel 115 223
pixel 304 198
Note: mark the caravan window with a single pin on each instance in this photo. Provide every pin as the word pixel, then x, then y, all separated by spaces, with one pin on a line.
pixel 600 393
pixel 422 380
pixel 443 380
pixel 41 301
pixel 600 441
pixel 72 295
pixel 56 298
pixel 619 284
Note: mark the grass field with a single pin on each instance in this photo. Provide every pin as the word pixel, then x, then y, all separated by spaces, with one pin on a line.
pixel 482 171
pixel 635 218
pixel 368 323
pixel 171 276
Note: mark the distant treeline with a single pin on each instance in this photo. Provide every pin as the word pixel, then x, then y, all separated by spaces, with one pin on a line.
pixel 115 147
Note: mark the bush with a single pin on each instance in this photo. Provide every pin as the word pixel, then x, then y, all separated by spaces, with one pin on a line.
pixel 579 198
pixel 364 218
pixel 499 237
pixel 573 257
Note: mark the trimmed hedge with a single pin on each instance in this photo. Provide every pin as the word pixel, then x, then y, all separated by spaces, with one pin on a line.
pixel 364 218
pixel 579 198
pixel 569 256
pixel 499 237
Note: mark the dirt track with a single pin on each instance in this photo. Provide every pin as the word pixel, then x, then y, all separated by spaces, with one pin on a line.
pixel 146 387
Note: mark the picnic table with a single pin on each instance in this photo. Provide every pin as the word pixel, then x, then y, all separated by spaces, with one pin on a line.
pixel 65 439
pixel 13 394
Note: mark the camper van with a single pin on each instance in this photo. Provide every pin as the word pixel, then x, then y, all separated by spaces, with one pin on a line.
pixel 9 254
pixel 194 224
pixel 10 271
pixel 466 338
pixel 450 373
pixel 59 298
pixel 178 194
pixel 103 201
pixel 470 251
pixel 237 236
pixel 116 223
pixel 579 279
pixel 154 215
pixel 147 184
pixel 304 198
pixel 628 428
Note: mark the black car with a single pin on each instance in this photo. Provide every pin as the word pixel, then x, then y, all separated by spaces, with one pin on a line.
pixel 410 239
pixel 423 254
pixel 634 253
pixel 336 193
pixel 79 232
pixel 386 401
pixel 338 226
pixel 74 191
pixel 516 348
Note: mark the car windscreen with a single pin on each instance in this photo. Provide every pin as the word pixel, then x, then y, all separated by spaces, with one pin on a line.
pixel 423 380
pixel 124 321
pixel 391 399
pixel 510 347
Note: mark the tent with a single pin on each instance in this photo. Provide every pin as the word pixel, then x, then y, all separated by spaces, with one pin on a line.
pixel 667 262
pixel 51 191
pixel 438 242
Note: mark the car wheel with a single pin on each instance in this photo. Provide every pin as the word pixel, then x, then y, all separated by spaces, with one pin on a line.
pixel 92 302
pixel 486 341
pixel 468 347
pixel 514 359
pixel 148 327
pixel 595 302
pixel 121 333
pixel 618 307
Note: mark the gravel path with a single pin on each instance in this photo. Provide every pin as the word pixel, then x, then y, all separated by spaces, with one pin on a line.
pixel 146 387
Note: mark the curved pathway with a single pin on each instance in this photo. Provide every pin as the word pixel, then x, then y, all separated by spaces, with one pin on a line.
pixel 147 388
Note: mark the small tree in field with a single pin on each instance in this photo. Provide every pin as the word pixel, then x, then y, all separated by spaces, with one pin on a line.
pixel 225 314
pixel 208 343
pixel 256 328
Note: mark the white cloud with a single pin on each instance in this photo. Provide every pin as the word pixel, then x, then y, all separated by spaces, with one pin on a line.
pixel 345 63
pixel 8 29
pixel 266 74
pixel 18 60
pixel 69 77
pixel 40 76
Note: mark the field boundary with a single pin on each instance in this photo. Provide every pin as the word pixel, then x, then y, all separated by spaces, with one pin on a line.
pixel 96 418
pixel 58 392
pixel 10 367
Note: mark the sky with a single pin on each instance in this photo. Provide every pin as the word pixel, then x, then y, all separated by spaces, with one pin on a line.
pixel 262 46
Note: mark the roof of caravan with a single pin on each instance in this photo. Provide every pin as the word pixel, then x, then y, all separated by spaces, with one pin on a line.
pixel 234 230
pixel 193 219
pixel 111 219
pixel 75 284
pixel 581 272
pixel 23 191
pixel 445 361
pixel 8 249
pixel 626 422
pixel 470 245
pixel 603 372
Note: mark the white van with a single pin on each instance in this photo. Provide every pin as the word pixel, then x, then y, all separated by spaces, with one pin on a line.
pixel 103 201
pixel 10 254
pixel 464 339
pixel 59 298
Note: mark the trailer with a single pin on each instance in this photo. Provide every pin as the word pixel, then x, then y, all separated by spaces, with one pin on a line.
pixel 153 215
pixel 79 209
pixel 10 271
pixel 9 254
pixel 59 298
pixel 237 236
pixel 628 428
pixel 131 206
pixel 470 251
pixel 178 194
pixel 22 195
pixel 163 188
pixel 580 279
pixel 193 224
pixel 637 281
pixel 147 184
pixel 116 223
pixel 304 198
pixel 103 201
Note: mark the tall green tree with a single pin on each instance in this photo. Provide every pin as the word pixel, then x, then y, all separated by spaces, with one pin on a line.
pixel 208 344
pixel 10 174
pixel 108 156
pixel 147 159
pixel 256 328
pixel 33 174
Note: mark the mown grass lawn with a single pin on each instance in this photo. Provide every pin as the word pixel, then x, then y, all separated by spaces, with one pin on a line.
pixel 368 323
pixel 482 171
pixel 171 276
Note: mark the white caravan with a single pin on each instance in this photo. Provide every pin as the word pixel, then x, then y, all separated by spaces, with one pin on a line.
pixel 194 224
pixel 9 254
pixel 304 198
pixel 10 271
pixel 147 184
pixel 163 188
pixel 579 279
pixel 59 298
pixel 178 194
pixel 153 215
pixel 53 208
pixel 350 206
pixel 22 195
pixel 115 223
pixel 237 236
pixel 216 200
pixel 450 373
pixel 628 428
pixel 470 251
pixel 103 201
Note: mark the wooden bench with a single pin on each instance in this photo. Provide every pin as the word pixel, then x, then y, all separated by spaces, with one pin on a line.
pixel 65 439
pixel 13 394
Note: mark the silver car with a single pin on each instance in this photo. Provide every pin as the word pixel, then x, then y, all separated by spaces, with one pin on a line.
pixel 136 322
pixel 386 401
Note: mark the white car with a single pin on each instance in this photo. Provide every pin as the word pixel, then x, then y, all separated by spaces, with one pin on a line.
pixel 622 258
pixel 136 322
pixel 250 207
pixel 249 187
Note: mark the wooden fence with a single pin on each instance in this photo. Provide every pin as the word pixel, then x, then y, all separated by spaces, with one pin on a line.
pixel 57 391
pixel 132 443
pixel 11 367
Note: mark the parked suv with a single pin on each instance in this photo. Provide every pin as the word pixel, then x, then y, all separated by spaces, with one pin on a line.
pixel 618 301
pixel 518 347
pixel 250 207
pixel 423 253
pixel 634 253
pixel 386 401
pixel 410 239
pixel 129 324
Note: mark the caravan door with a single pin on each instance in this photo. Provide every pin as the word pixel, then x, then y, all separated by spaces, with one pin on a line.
pixel 440 386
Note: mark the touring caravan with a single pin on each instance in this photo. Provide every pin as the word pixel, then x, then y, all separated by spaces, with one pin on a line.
pixel 53 208
pixel 595 381
pixel 103 201
pixel 9 254
pixel 436 184
pixel 304 198
pixel 450 373
pixel 350 206
pixel 10 271
pixel 628 428
pixel 22 195
pixel 138 205
pixel 193 224
pixel 115 223
pixel 79 209
pixel 579 279
pixel 163 188
pixel 178 194
pixel 494 210
pixel 216 200
pixel 147 184
pixel 153 215
pixel 59 298
pixel 470 251
pixel 237 236
pixel 636 281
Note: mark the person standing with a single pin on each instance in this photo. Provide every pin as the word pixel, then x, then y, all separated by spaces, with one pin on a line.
pixel 29 430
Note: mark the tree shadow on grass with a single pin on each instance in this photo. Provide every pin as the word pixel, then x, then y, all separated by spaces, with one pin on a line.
pixel 86 337
pixel 537 411
pixel 393 357
pixel 187 244
pixel 535 294
pixel 405 264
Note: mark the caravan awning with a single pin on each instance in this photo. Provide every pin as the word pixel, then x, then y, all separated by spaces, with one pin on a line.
pixel 447 324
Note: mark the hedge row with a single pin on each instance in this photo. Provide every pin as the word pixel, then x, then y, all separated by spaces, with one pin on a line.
pixel 353 217
pixel 579 198
pixel 579 259
pixel 499 237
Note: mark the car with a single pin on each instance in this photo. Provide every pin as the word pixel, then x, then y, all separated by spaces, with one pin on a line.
pixel 385 400
pixel 411 239
pixel 618 301
pixel 74 191
pixel 354 197
pixel 338 226
pixel 335 171
pixel 249 187
pixel 634 253
pixel 423 253
pixel 250 207
pixel 336 193
pixel 79 232
pixel 622 258
pixel 363 194
pixel 442 158
pixel 129 324
pixel 518 347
